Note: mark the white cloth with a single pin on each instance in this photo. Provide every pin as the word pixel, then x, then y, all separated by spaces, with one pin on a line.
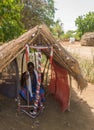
pixel 29 83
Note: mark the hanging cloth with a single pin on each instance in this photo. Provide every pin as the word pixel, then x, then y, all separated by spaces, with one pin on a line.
pixel 59 85
pixel 29 84
pixel 28 81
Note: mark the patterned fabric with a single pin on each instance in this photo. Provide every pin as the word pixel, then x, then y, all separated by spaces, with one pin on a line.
pixel 23 93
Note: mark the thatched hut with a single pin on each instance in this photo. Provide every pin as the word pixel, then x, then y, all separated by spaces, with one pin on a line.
pixel 87 39
pixel 62 60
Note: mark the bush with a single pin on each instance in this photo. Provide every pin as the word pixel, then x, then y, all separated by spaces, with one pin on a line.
pixel 87 68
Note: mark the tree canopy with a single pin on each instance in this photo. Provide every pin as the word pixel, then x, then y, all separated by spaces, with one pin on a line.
pixel 37 12
pixel 85 23
pixel 16 16
pixel 10 19
pixel 57 29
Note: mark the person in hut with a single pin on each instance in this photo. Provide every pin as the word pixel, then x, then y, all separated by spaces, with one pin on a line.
pixel 29 82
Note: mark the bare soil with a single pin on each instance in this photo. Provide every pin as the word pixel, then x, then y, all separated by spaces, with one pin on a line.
pixel 80 116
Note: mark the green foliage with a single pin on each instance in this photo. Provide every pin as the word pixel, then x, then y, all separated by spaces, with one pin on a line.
pixel 68 34
pixel 85 23
pixel 57 29
pixel 37 12
pixel 65 36
pixel 10 20
pixel 77 36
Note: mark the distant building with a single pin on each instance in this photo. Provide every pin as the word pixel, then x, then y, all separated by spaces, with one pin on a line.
pixel 72 40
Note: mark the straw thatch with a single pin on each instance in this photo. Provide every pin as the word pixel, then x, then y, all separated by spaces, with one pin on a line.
pixel 87 39
pixel 41 35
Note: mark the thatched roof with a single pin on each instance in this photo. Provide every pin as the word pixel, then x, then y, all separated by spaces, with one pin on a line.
pixel 37 35
pixel 87 39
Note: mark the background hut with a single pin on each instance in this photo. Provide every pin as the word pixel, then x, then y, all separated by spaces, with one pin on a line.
pixel 87 39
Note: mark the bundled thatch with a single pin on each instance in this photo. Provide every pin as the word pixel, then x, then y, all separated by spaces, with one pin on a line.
pixel 41 35
pixel 88 39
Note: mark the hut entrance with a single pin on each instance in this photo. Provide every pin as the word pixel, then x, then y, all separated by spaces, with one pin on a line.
pixel 27 92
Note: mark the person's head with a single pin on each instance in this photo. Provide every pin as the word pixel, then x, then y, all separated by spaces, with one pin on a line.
pixel 30 67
